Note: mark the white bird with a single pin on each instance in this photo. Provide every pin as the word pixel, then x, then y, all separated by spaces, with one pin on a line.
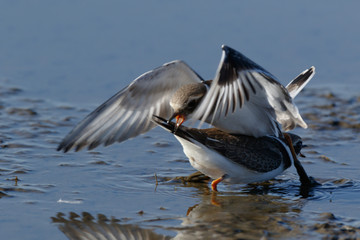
pixel 243 99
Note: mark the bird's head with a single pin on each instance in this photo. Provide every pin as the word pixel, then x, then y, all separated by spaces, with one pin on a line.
pixel 185 100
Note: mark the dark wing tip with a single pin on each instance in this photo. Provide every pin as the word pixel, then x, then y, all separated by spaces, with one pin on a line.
pixel 296 85
pixel 228 50
pixel 309 72
pixel 225 48
pixel 234 62
pixel 230 53
pixel 67 145
pixel 59 148
pixel 228 69
pixel 64 148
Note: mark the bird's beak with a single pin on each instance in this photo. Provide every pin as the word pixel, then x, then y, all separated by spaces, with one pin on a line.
pixel 180 118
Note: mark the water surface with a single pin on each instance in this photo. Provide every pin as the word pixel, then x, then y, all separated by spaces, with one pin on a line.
pixel 60 60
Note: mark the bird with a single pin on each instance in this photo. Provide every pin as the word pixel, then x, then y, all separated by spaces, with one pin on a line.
pixel 234 158
pixel 243 98
pixel 243 95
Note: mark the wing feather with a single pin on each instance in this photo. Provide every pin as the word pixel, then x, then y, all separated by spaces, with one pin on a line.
pixel 296 85
pixel 128 113
pixel 263 102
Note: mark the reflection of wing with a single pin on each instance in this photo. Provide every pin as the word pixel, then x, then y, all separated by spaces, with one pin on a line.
pixel 86 228
pixel 128 113
pixel 246 99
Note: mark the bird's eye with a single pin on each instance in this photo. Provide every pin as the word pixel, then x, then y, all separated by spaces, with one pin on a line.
pixel 192 104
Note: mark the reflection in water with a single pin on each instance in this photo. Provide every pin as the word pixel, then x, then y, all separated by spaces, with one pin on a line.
pixel 231 215
pixel 217 216
pixel 259 217
pixel 86 228
pixel 241 217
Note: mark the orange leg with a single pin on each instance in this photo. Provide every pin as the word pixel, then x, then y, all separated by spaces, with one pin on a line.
pixel 216 182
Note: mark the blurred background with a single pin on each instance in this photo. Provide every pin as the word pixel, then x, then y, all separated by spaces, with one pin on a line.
pixel 85 51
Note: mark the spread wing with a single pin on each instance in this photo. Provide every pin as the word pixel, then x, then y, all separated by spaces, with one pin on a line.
pixel 128 113
pixel 247 98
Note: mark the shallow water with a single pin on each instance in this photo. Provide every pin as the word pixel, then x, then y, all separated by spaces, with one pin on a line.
pixel 129 186
pixel 54 72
